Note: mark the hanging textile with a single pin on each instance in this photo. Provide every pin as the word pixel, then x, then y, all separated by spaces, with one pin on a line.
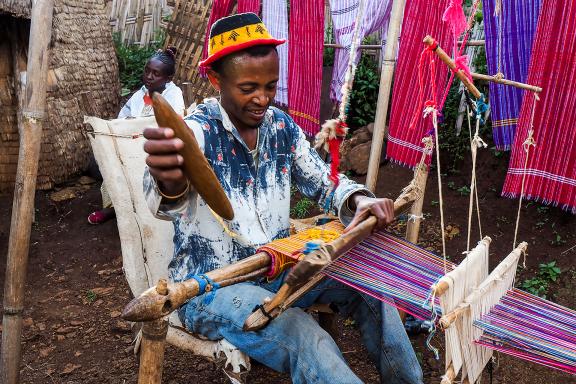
pixel 421 18
pixel 509 36
pixel 376 15
pixel 551 165
pixel 249 6
pixel 275 17
pixel 305 51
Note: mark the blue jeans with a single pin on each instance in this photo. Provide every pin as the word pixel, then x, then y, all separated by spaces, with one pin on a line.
pixel 295 343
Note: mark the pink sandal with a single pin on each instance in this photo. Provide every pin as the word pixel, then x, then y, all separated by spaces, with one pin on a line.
pixel 98 217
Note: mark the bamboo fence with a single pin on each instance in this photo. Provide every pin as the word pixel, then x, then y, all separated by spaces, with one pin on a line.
pixel 139 21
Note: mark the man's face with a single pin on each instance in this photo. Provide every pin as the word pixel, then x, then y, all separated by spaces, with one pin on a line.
pixel 247 88
pixel 155 77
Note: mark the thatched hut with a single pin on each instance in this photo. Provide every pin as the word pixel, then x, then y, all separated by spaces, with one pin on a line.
pixel 82 61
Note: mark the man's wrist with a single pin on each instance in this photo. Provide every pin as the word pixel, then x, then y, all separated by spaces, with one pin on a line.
pixel 354 199
pixel 173 190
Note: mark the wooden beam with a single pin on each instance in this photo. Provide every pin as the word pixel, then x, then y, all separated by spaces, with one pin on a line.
pixel 32 112
pixel 388 63
pixel 499 80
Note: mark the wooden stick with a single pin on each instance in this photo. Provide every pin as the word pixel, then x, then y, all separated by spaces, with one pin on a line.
pixel 413 225
pixel 152 351
pixel 305 274
pixel 24 191
pixel 152 304
pixel 388 63
pixel 495 79
pixel 428 40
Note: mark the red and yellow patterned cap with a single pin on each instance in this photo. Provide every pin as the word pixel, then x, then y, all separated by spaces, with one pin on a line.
pixel 235 33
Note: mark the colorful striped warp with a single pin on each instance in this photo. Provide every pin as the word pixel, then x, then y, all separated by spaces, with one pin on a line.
pixel 509 36
pixel 249 6
pixel 275 17
pixel 531 328
pixel 383 266
pixel 551 167
pixel 421 18
pixel 305 51
pixel 375 17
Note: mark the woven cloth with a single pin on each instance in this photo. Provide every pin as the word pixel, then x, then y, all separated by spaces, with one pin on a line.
pixel 376 15
pixel 275 17
pixel 306 38
pixel 551 168
pixel 249 6
pixel 421 18
pixel 509 38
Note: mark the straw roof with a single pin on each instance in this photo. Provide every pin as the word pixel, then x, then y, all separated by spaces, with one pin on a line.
pixel 82 59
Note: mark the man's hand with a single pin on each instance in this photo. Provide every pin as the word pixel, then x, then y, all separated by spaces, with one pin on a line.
pixel 382 209
pixel 164 162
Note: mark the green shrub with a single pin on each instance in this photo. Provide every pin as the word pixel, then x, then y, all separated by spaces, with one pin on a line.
pixel 364 94
pixel 132 59
pixel 548 272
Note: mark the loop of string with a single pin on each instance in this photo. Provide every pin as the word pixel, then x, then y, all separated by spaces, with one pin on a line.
pixel 529 142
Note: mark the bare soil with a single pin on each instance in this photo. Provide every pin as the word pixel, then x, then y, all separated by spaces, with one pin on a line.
pixel 76 288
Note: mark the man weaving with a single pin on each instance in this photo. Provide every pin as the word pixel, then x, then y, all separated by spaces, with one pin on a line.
pixel 258 153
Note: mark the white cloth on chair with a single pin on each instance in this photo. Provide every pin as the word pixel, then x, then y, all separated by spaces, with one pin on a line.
pixel 146 242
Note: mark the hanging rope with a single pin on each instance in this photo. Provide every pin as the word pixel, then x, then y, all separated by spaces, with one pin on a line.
pixel 529 142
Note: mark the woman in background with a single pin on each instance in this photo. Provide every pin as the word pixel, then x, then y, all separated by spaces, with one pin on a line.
pixel 157 77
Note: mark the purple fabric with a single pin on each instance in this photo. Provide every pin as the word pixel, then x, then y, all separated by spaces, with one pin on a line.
pixel 519 19
pixel 343 12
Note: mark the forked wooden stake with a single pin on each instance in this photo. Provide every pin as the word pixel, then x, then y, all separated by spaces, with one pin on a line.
pixel 152 351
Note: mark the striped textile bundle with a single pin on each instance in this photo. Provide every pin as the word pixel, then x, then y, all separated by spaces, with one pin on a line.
pixel 533 329
pixel 421 17
pixel 275 17
pixel 375 17
pixel 305 51
pixel 551 167
pixel 394 271
pixel 509 37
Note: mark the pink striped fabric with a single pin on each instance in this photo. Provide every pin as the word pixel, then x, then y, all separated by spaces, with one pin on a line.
pixel 375 17
pixel 249 6
pixel 306 44
pixel 421 18
pixel 275 16
pixel 551 169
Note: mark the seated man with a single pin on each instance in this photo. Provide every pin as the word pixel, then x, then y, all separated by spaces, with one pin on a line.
pixel 258 153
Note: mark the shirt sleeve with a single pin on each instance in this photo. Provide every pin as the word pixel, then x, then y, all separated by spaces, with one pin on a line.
pixel 311 175
pixel 176 100
pixel 126 110
pixel 187 204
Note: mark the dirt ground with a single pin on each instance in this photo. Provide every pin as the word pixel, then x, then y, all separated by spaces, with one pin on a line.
pixel 76 289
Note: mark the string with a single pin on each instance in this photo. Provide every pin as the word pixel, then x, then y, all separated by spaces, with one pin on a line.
pixel 529 142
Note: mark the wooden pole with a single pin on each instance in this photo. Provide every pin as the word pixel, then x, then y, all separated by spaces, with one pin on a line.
pixel 152 351
pixel 415 218
pixel 428 40
pixel 495 79
pixel 24 190
pixel 388 63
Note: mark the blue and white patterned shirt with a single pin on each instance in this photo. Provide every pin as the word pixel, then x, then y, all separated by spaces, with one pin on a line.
pixel 260 195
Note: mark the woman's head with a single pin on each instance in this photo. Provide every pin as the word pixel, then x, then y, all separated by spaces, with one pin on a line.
pixel 159 70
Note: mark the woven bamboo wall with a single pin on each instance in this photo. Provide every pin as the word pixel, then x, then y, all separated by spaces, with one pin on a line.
pixel 186 31
pixel 82 59
pixel 16 8
pixel 138 21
